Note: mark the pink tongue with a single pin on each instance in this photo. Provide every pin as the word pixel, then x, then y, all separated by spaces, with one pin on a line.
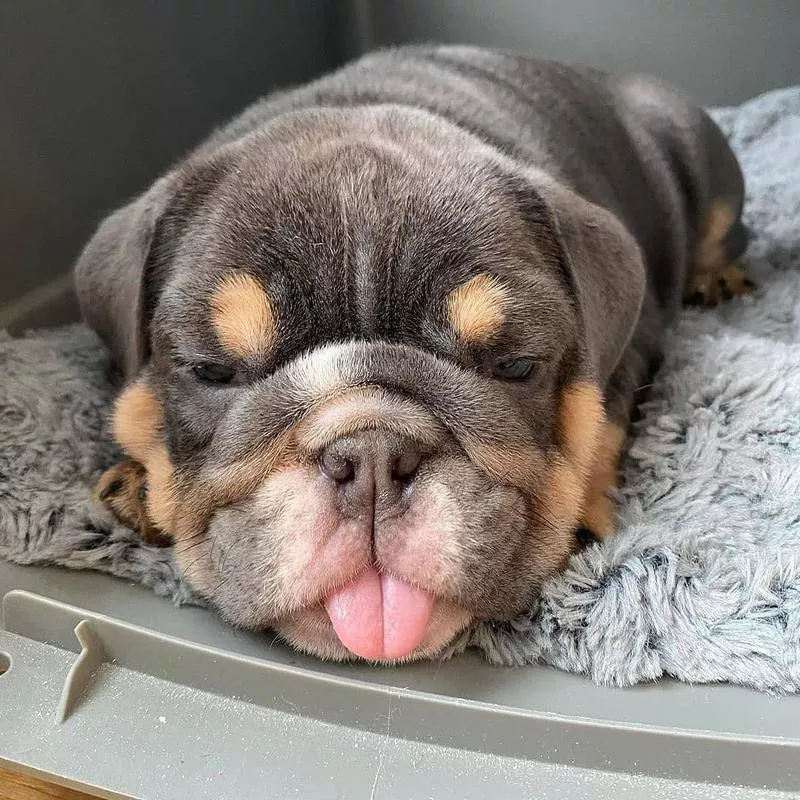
pixel 379 617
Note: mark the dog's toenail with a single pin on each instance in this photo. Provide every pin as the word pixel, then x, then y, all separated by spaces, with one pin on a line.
pixel 586 537
pixel 695 299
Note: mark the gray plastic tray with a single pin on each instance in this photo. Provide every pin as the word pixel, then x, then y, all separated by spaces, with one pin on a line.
pixel 171 703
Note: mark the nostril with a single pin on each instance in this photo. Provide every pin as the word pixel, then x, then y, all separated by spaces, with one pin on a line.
pixel 405 465
pixel 336 467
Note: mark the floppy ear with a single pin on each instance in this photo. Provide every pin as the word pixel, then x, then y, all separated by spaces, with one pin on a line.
pixel 110 275
pixel 604 264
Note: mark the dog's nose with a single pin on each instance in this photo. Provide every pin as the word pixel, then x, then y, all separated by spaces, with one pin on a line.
pixel 371 469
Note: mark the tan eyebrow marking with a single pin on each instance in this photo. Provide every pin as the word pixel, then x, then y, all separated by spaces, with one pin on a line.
pixel 242 316
pixel 476 309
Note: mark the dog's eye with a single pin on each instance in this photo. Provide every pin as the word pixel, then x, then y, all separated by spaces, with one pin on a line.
pixel 213 373
pixel 515 369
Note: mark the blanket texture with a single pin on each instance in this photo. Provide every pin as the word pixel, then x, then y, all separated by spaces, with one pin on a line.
pixel 703 580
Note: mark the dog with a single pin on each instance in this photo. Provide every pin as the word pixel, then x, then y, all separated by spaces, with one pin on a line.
pixel 382 336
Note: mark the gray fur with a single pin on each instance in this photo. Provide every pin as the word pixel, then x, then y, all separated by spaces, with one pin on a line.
pixel 703 580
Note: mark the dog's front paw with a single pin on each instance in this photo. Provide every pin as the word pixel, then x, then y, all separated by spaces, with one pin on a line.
pixel 709 291
pixel 123 489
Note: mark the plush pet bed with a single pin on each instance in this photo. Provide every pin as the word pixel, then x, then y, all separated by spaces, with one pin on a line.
pixel 703 580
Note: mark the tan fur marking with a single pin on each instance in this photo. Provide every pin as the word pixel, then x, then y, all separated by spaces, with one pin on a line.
pixel 580 420
pixel 476 310
pixel 719 221
pixel 242 316
pixel 137 420
pixel 712 278
pixel 564 496
pixel 599 514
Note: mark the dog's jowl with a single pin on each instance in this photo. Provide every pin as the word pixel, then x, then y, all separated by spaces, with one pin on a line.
pixel 382 336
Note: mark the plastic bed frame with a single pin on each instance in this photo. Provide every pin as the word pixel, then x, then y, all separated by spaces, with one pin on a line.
pixel 114 691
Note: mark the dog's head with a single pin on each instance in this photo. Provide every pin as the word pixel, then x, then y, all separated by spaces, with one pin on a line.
pixel 365 356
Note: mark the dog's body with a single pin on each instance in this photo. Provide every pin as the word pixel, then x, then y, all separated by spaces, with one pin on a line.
pixel 383 335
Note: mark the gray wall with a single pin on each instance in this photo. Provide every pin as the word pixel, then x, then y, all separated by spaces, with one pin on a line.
pixel 721 51
pixel 98 96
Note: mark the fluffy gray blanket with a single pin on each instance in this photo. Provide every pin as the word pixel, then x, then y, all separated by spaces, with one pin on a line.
pixel 703 581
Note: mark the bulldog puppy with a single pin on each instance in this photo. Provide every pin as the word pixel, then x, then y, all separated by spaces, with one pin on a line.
pixel 382 335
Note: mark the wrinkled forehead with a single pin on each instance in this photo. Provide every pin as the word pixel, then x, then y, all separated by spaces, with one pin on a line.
pixel 355 239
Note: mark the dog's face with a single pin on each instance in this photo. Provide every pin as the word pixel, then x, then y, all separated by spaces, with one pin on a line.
pixel 368 396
